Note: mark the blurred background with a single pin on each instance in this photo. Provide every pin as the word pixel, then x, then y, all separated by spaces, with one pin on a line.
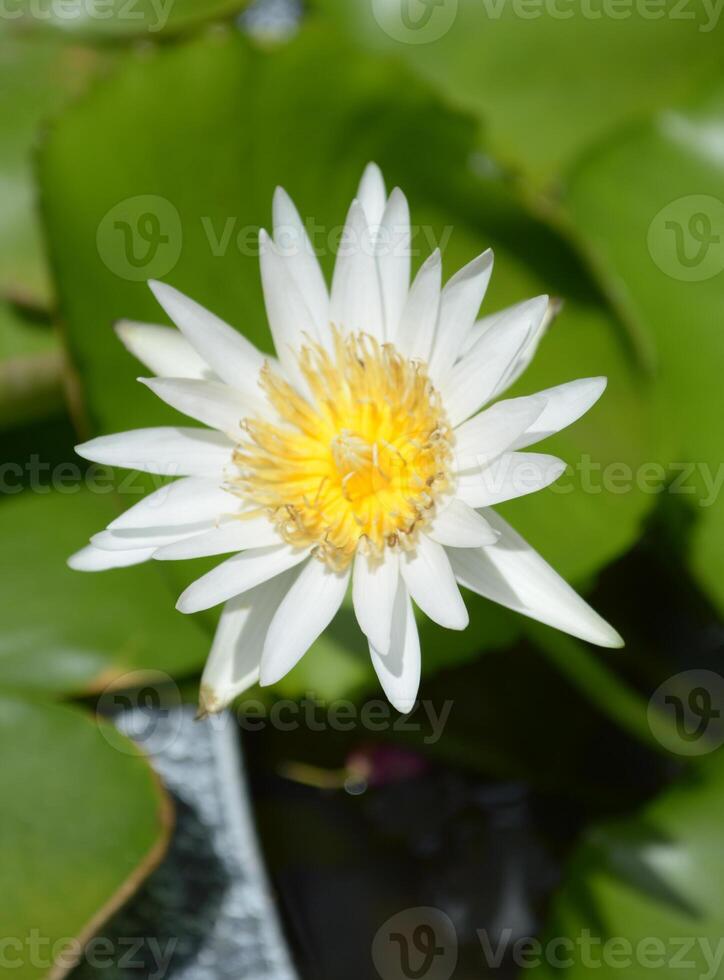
pixel 544 792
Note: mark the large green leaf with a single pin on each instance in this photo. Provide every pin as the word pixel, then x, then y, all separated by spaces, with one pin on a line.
pixel 101 20
pixel 642 896
pixel 83 822
pixel 70 632
pixel 37 77
pixel 544 78
pixel 649 207
pixel 168 171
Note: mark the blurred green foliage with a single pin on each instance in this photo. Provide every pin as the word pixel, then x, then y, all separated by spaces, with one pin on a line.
pixel 584 149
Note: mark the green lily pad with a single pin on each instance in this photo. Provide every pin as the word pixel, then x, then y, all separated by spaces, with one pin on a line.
pixel 84 821
pixel 544 79
pixel 67 632
pixel 649 206
pixel 38 76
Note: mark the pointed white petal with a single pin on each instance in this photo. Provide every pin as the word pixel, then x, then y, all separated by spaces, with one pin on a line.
pixel 373 592
pixel 233 663
pixel 514 575
pixel 211 402
pixel 304 613
pixel 235 535
pixel 164 350
pixel 399 669
pixel 483 371
pixel 168 451
pixel 431 583
pixel 91 559
pixel 293 244
pixel 184 501
pixel 509 476
pixel 563 405
pixel 372 194
pixel 289 318
pixel 237 575
pixel 459 306
pixel 147 537
pixel 356 303
pixel 459 526
pixel 529 348
pixel 416 332
pixel 491 432
pixel 393 260
pixel 225 350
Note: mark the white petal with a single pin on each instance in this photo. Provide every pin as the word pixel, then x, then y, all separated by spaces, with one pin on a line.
pixel 211 402
pixel 356 303
pixel 372 194
pixel 303 614
pixel 509 476
pixel 167 450
pixel 494 430
pixel 289 317
pixel 459 306
pixel 293 244
pixel 393 260
pixel 90 559
pixel 416 332
pixel 459 526
pixel 164 350
pixel 147 537
pixel 184 501
pixel 235 535
pixel 373 592
pixel 530 347
pixel 563 405
pixel 237 575
pixel 233 663
pixel 483 371
pixel 431 584
pixel 399 670
pixel 225 350
pixel 514 575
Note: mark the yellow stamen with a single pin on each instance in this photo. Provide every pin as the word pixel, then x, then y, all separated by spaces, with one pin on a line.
pixel 360 462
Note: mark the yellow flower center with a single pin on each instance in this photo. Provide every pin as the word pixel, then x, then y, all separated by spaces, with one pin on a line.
pixel 359 462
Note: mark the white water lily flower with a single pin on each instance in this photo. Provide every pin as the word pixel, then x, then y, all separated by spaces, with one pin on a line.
pixel 360 455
